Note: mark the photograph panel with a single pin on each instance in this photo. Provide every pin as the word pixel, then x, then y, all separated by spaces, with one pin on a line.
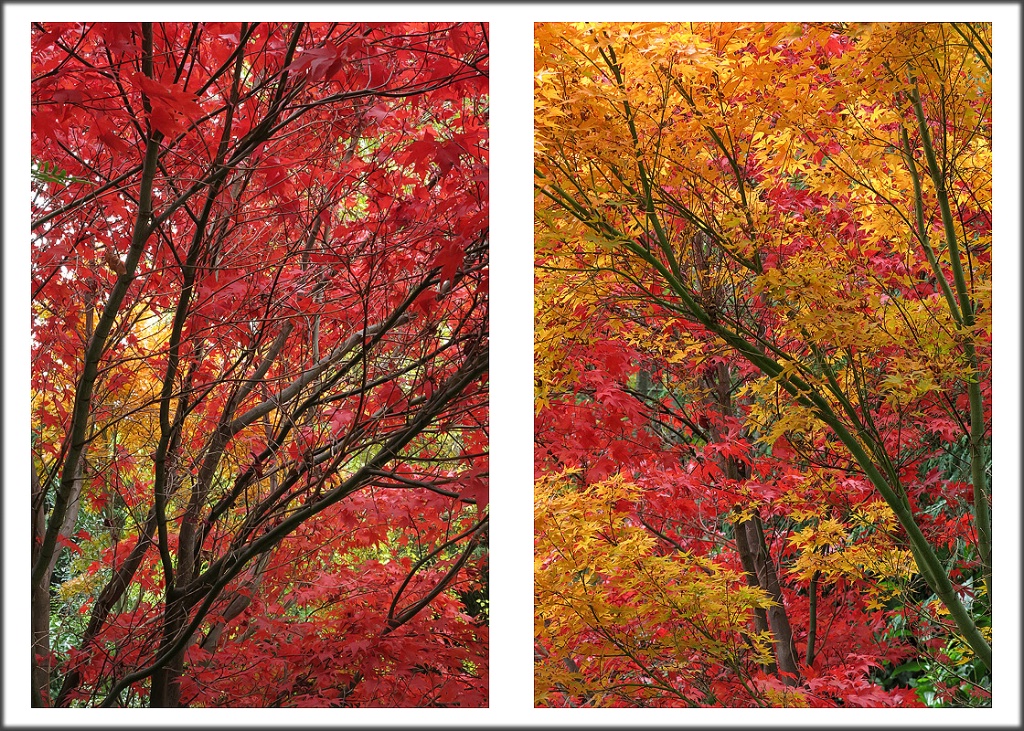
pixel 763 364
pixel 259 271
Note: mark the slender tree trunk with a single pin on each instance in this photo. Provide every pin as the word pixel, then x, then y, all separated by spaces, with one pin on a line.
pixel 41 591
pixel 40 604
pixel 768 578
pixel 165 688
pixel 750 570
pixel 964 316
pixel 755 557
pixel 812 622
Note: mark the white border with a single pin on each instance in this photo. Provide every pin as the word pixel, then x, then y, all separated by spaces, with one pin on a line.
pixel 511 690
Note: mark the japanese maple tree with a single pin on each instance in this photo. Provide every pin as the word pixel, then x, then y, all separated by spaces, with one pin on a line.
pixel 259 364
pixel 763 355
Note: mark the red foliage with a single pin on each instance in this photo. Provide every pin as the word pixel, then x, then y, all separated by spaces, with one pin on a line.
pixel 277 233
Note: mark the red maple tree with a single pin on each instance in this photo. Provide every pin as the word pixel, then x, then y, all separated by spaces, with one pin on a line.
pixel 259 310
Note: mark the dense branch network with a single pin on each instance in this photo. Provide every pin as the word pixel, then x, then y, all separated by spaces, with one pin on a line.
pixel 260 266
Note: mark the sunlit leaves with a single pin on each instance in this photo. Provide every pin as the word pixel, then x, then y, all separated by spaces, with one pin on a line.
pixel 288 411
pixel 740 229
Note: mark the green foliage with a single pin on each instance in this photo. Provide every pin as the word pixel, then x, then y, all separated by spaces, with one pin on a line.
pixel 48 172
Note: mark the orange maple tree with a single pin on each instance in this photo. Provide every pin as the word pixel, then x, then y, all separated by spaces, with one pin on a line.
pixel 259 364
pixel 763 354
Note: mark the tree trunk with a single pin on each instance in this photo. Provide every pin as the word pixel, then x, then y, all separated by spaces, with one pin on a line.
pixel 754 554
pixel 165 688
pixel 750 570
pixel 41 591
pixel 778 619
pixel 40 604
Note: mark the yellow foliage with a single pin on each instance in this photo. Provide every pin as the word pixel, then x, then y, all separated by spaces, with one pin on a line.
pixel 677 97
pixel 860 549
pixel 84 583
pixel 602 591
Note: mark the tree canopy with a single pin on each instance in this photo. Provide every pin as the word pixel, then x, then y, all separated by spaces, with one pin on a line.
pixel 763 361
pixel 259 364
